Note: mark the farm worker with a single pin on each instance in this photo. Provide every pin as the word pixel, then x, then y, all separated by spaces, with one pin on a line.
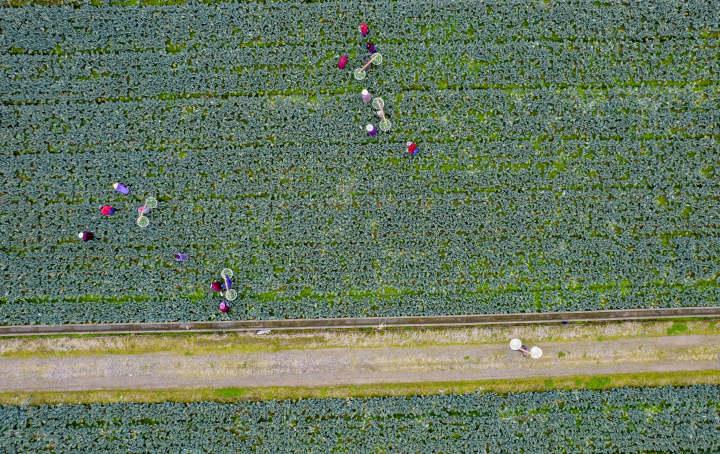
pixel 216 286
pixel 224 307
pixel 343 61
pixel 371 131
pixel 365 95
pixel 412 148
pixel 364 29
pixel 86 235
pixel 181 256
pixel 107 210
pixel 121 188
pixel 371 47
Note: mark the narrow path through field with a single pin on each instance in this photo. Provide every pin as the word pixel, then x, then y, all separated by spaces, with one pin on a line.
pixel 358 365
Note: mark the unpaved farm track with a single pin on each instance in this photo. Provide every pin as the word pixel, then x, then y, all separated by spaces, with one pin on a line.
pixel 346 366
pixel 370 322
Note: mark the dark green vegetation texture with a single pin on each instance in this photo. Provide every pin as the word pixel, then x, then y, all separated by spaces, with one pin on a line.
pixel 569 158
pixel 622 420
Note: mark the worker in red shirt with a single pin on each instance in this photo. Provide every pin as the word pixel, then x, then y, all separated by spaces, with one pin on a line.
pixel 412 148
pixel 107 210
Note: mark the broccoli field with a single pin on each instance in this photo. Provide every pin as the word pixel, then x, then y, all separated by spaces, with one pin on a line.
pixel 568 159
pixel 622 420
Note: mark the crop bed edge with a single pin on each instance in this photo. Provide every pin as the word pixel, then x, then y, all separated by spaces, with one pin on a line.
pixel 359 323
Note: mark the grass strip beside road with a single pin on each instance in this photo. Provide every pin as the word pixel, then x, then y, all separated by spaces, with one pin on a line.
pixel 598 382
pixel 238 342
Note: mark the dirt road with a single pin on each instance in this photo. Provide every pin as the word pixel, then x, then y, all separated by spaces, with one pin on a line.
pixel 356 365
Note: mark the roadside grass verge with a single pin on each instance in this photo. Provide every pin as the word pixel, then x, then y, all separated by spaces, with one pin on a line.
pixel 236 342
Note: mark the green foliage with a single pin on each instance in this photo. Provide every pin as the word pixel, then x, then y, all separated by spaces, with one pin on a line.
pixel 598 382
pixel 707 171
pixel 677 328
pixel 174 48
pixel 568 158
pixel 668 419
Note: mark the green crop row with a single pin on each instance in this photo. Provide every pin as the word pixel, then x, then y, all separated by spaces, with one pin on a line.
pixel 669 419
pixel 568 159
